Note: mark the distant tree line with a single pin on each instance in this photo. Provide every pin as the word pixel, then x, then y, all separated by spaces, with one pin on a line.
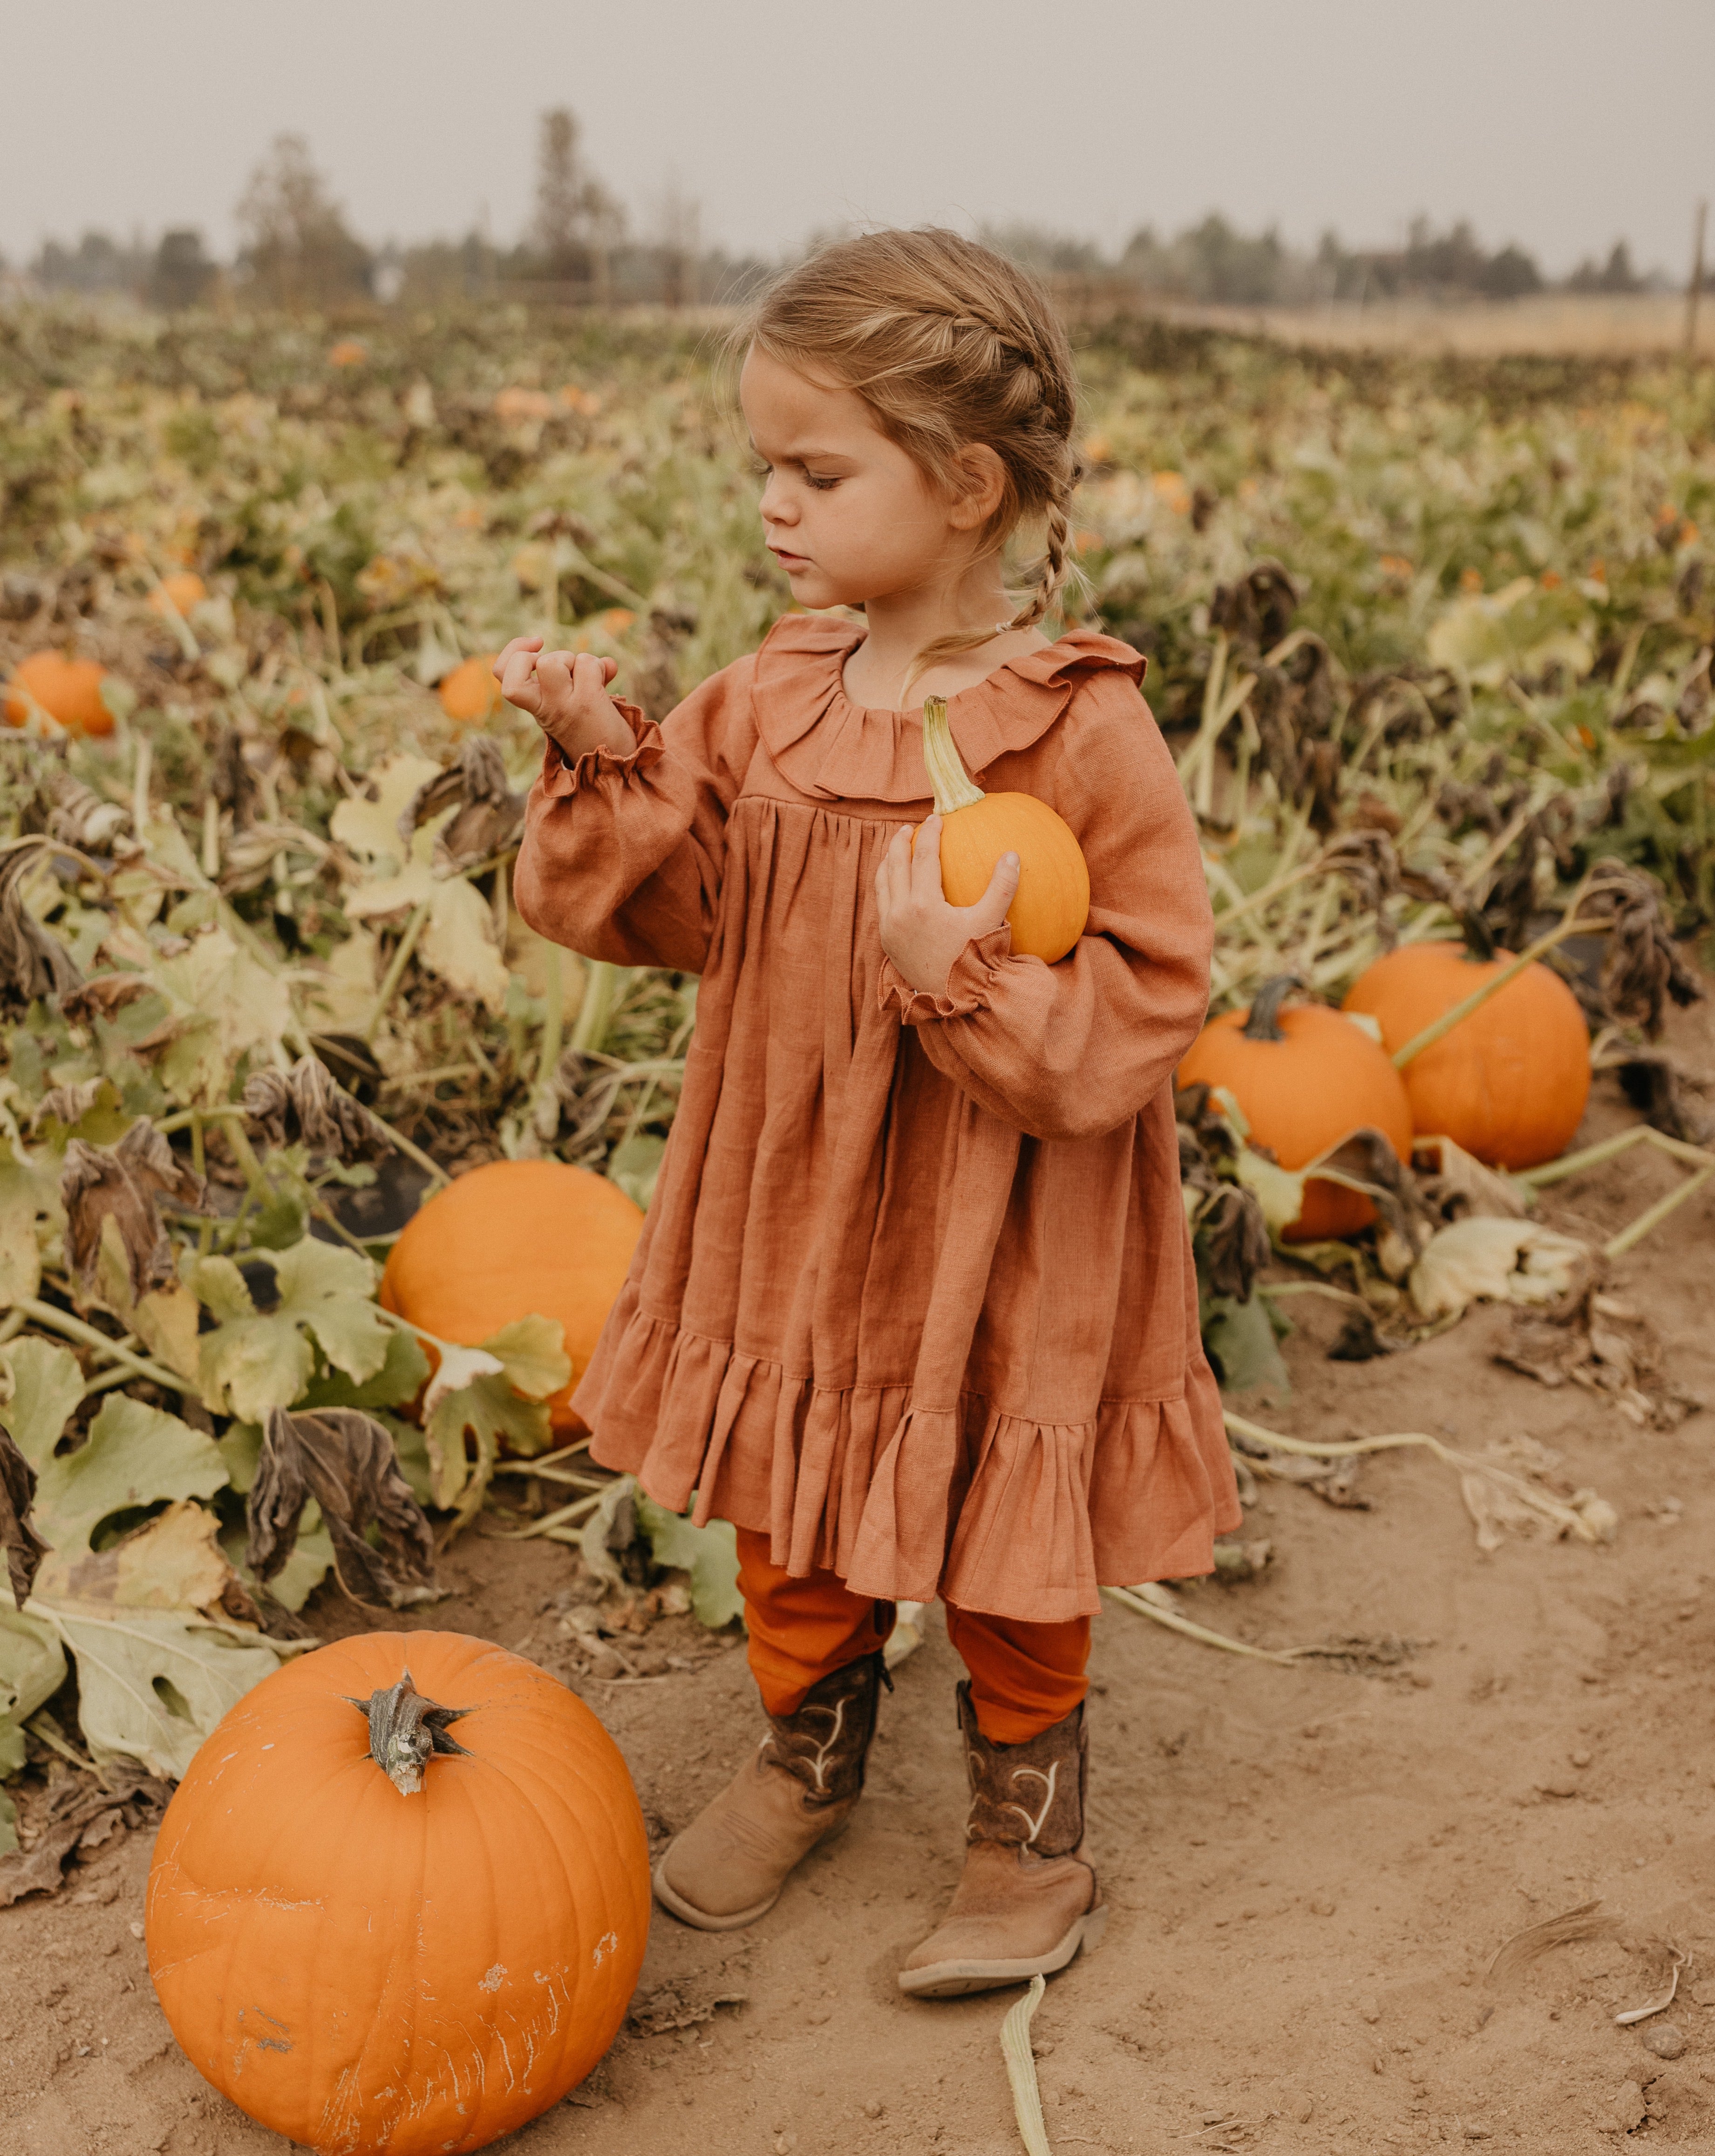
pixel 296 250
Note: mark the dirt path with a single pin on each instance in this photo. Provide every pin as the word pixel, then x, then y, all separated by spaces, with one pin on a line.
pixel 1310 1868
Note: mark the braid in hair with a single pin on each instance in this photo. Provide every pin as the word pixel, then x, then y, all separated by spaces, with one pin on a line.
pixel 950 344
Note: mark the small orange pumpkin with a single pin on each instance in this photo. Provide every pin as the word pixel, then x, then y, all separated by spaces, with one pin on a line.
pixel 1510 1082
pixel 68 689
pixel 517 1239
pixel 184 589
pixel 470 694
pixel 401 1899
pixel 1049 913
pixel 1306 1078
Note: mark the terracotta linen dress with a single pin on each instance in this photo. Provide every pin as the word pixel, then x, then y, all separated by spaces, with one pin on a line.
pixel 915 1296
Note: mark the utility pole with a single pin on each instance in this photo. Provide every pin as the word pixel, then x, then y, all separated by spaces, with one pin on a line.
pixel 1694 290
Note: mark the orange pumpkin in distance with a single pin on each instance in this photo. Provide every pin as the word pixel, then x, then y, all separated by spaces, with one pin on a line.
pixel 1051 907
pixel 517 1239
pixel 375 1925
pixel 1510 1082
pixel 470 694
pixel 1306 1078
pixel 184 588
pixel 68 689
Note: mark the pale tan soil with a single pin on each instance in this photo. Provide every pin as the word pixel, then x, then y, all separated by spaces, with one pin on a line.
pixel 1310 1870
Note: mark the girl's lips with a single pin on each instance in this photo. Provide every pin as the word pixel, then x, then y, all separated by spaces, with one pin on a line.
pixel 788 560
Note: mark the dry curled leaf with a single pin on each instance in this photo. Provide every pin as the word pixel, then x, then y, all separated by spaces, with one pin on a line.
pixel 308 1102
pixel 103 996
pixel 34 963
pixel 77 1810
pixel 74 813
pixel 1232 1240
pixel 23 1546
pixel 122 1184
pixel 1641 968
pixel 1454 1184
pixel 489 814
pixel 345 1460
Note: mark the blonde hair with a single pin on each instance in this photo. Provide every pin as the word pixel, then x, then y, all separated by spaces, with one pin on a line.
pixel 949 344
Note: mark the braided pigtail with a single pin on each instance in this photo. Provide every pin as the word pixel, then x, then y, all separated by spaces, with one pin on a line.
pixel 950 344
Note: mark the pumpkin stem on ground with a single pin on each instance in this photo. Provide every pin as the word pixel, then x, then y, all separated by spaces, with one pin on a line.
pixel 951 783
pixel 405 1732
pixel 1264 1022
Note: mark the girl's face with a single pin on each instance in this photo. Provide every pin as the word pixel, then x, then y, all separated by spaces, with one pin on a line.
pixel 848 515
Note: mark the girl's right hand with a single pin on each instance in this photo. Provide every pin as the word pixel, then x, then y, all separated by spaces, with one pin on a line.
pixel 565 692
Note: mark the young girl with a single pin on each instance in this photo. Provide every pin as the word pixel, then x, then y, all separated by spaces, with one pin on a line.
pixel 914 1307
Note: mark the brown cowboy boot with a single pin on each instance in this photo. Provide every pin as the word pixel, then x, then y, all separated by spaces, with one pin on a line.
pixel 1029 1899
pixel 728 1866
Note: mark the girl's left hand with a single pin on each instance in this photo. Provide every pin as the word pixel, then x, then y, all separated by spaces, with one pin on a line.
pixel 920 932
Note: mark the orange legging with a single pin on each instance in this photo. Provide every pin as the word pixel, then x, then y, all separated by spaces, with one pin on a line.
pixel 1024 1678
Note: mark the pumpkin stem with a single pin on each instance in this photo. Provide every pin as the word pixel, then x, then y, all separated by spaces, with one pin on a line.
pixel 406 1731
pixel 949 781
pixel 1264 1022
pixel 1479 937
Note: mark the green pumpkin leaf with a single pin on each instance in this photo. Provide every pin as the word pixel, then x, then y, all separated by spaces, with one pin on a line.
pixel 134 1455
pixel 402 1376
pixel 492 1414
pixel 531 1351
pixel 252 1363
pixel 152 1683
pixel 709 1554
pixel 32 1666
pixel 28 1194
pixel 47 1386
pixel 1239 1338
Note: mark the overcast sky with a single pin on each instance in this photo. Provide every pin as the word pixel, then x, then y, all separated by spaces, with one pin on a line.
pixel 1562 123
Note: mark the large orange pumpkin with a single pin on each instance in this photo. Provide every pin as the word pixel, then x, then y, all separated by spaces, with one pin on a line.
pixel 470 693
pixel 1510 1082
pixel 414 1956
pixel 517 1239
pixel 1306 1078
pixel 68 689
pixel 1048 915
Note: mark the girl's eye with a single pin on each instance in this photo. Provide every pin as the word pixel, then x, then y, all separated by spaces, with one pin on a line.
pixel 820 483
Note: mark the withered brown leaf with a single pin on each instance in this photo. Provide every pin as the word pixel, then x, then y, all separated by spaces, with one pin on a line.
pixel 34 963
pixel 309 1102
pixel 345 1460
pixel 123 1182
pixel 490 814
pixel 23 1546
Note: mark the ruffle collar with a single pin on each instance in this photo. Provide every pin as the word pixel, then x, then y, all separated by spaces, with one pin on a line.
pixel 834 750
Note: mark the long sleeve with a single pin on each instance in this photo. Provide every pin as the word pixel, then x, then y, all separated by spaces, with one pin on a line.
pixel 623 855
pixel 1076 1049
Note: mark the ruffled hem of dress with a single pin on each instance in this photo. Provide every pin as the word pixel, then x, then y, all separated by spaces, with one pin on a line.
pixel 989 1511
pixel 563 781
pixel 970 982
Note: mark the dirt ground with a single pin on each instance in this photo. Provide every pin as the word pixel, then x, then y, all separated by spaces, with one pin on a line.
pixel 1310 1868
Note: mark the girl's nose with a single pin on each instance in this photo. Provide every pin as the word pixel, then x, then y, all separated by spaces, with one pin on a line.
pixel 776 503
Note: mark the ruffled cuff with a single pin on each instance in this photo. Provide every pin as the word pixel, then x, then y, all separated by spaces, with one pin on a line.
pixel 561 780
pixel 970 984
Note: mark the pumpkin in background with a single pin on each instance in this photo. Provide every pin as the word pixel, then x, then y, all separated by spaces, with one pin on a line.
pixel 68 689
pixel 517 1239
pixel 1306 1078
pixel 1048 915
pixel 401 1899
pixel 470 694
pixel 184 589
pixel 1510 1082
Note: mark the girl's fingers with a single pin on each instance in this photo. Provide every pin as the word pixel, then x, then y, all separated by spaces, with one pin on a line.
pixel 893 872
pixel 990 910
pixel 925 862
pixel 517 671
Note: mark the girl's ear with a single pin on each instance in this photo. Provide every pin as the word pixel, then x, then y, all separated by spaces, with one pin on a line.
pixel 979 486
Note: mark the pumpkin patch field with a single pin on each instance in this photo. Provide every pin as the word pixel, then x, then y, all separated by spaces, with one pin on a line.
pixel 319 1170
